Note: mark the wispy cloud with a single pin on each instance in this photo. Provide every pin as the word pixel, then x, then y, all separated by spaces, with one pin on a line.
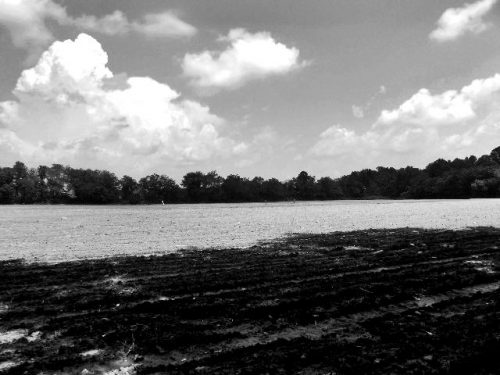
pixel 27 23
pixel 247 57
pixel 455 22
pixel 358 111
pixel 165 24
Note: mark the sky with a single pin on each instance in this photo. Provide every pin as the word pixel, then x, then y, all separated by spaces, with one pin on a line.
pixel 251 87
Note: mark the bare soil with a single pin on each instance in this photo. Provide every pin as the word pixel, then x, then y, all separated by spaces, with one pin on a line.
pixel 402 301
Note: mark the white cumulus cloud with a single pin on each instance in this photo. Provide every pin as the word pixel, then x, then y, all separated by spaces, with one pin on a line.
pixel 26 21
pixel 450 107
pixel 70 108
pixel 424 127
pixel 455 22
pixel 247 57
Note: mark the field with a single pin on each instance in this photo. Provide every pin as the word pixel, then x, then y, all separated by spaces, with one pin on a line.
pixel 73 232
pixel 405 301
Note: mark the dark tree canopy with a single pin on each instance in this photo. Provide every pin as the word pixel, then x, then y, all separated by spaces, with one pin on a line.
pixel 460 178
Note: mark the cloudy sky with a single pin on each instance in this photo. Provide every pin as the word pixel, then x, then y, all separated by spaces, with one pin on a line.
pixel 253 87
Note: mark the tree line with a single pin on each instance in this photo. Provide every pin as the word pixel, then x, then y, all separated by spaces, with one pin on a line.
pixel 460 178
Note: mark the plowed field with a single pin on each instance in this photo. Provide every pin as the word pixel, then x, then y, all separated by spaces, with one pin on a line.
pixel 406 301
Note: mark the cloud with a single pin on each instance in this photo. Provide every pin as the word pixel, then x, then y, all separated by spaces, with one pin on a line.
pixel 165 24
pixel 358 111
pixel 27 22
pixel 70 109
pixel 338 141
pixel 455 22
pixel 247 57
pixel 424 127
pixel 262 146
pixel 157 25
pixel 115 23
pixel 448 108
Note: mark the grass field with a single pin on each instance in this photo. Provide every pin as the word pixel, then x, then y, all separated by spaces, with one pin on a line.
pixel 406 301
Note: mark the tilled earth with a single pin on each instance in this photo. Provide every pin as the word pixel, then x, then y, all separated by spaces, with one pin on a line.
pixel 405 301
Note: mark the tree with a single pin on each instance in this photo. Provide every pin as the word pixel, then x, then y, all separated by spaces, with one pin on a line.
pixel 157 189
pixel 193 182
pixel 6 176
pixel 130 190
pixel 460 178
pixel 20 170
pixel 352 186
pixel 236 189
pixel 486 161
pixel 329 189
pixel 28 188
pixel 386 181
pixel 437 168
pixel 273 190
pixel 495 155
pixel 202 187
pixel 7 194
pixel 257 188
pixel 212 187
pixel 305 188
pixel 56 182
pixel 93 186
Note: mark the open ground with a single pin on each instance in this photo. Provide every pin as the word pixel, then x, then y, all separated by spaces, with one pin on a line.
pixel 406 301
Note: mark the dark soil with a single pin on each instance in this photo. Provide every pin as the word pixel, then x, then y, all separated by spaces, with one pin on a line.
pixel 406 301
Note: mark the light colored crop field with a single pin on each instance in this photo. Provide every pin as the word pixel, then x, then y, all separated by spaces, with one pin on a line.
pixel 57 233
